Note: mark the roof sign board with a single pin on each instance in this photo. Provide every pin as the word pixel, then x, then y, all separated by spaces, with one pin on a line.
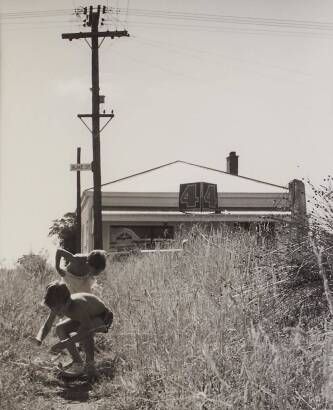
pixel 198 196
pixel 80 167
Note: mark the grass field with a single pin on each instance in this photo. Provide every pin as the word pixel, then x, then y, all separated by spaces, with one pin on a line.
pixel 219 326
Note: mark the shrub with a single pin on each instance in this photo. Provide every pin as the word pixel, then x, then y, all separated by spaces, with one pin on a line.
pixel 65 230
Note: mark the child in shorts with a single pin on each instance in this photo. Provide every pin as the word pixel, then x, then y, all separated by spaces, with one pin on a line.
pixel 86 313
pixel 80 269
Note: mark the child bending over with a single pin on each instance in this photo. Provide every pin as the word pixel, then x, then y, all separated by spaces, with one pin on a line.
pixel 81 269
pixel 86 313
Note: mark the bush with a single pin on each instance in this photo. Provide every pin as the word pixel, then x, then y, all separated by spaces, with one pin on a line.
pixel 35 265
pixel 304 252
pixel 65 230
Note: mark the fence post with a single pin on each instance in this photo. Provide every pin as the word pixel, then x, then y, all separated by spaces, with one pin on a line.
pixel 297 205
pixel 297 199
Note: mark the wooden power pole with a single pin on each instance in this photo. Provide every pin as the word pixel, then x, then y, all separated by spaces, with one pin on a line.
pixel 92 20
pixel 78 167
pixel 78 202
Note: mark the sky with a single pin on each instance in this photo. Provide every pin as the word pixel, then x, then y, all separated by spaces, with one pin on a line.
pixel 195 80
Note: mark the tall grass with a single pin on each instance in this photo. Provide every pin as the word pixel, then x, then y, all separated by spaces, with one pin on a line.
pixel 196 331
pixel 205 329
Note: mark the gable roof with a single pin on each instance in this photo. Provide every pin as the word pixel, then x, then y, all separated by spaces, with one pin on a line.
pixel 168 177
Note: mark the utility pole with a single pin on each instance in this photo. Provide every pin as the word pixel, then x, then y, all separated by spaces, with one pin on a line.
pixel 93 20
pixel 78 167
pixel 78 202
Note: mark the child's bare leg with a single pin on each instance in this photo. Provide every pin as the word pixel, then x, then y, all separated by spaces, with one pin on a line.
pixel 89 348
pixel 89 345
pixel 64 329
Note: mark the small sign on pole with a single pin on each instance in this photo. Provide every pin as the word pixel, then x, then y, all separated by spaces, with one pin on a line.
pixel 80 167
pixel 198 196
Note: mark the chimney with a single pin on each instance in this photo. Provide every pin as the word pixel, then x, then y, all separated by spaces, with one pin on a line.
pixel 232 163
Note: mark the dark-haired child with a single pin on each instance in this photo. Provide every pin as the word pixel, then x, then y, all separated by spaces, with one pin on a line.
pixel 80 269
pixel 85 314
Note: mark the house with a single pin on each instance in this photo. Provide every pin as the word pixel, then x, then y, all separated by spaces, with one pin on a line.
pixel 143 209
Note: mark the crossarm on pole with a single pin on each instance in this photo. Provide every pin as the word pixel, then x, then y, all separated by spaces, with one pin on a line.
pixel 112 34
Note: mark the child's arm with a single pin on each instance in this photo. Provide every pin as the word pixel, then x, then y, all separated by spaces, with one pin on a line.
pixel 62 253
pixel 82 334
pixel 46 327
pixel 86 328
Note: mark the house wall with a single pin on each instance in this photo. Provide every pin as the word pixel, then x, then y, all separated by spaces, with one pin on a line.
pixel 105 235
pixel 231 201
pixel 161 202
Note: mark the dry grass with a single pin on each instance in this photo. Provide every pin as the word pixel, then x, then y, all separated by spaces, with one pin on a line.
pixel 205 329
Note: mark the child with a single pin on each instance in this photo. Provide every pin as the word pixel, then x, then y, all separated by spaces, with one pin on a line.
pixel 85 313
pixel 81 269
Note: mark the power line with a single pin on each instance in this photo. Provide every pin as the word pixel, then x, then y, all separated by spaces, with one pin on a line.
pixel 185 16
pixel 39 24
pixel 25 23
pixel 34 14
pixel 199 53
pixel 248 30
pixel 226 18
pixel 161 67
pixel 243 23
pixel 127 8
pixel 225 23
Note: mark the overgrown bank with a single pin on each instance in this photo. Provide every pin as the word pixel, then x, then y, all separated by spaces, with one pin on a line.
pixel 223 325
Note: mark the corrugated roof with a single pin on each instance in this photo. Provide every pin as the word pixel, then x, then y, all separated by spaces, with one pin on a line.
pixel 168 177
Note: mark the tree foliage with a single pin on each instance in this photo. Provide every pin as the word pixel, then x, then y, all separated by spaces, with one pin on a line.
pixel 33 263
pixel 65 229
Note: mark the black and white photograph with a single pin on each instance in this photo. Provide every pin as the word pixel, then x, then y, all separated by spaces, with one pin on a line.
pixel 166 204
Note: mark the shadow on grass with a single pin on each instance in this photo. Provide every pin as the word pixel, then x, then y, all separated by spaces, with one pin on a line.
pixel 75 391
pixel 78 389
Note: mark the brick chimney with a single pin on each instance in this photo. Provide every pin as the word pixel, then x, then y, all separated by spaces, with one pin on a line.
pixel 232 163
